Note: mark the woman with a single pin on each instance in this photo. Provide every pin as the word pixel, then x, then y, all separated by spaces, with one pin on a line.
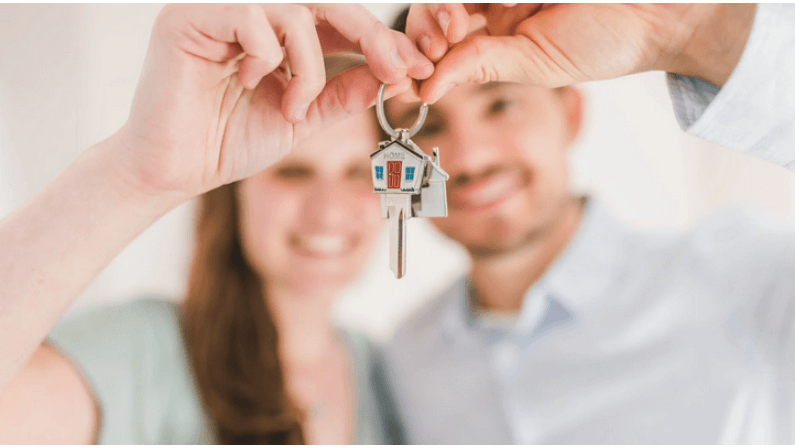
pixel 251 356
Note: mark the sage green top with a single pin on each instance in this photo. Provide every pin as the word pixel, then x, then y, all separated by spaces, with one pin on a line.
pixel 134 358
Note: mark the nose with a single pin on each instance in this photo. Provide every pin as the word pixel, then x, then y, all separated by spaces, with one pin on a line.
pixel 327 205
pixel 473 148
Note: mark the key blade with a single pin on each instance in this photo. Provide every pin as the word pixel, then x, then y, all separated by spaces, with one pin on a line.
pixel 398 211
pixel 397 242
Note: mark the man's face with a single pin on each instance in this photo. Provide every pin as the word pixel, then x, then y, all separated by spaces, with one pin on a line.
pixel 504 146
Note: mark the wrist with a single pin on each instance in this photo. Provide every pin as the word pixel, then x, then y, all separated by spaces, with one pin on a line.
pixel 110 159
pixel 711 41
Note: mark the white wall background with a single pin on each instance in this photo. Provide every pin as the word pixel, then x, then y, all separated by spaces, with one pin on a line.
pixel 67 76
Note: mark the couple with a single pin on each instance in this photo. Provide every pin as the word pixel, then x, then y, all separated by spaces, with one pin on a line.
pixel 569 328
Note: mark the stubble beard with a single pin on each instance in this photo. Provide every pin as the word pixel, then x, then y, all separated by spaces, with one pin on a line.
pixel 535 234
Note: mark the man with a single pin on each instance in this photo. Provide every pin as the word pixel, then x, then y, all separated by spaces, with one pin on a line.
pixel 570 327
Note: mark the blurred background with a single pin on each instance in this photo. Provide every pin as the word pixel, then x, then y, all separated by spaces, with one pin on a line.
pixel 68 73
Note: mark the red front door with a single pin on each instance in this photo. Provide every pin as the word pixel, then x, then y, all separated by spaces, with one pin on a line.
pixel 393 170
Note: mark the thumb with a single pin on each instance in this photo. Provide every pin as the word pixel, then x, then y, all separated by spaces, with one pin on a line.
pixel 482 59
pixel 345 95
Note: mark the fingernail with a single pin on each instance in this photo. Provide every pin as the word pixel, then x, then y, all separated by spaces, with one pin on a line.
pixel 396 60
pixel 444 20
pixel 425 44
pixel 443 91
pixel 300 113
pixel 428 68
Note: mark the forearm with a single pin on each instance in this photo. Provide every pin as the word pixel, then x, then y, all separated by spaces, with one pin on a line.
pixel 54 246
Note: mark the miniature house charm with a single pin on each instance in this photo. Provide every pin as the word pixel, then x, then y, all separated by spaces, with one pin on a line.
pixel 402 168
pixel 411 183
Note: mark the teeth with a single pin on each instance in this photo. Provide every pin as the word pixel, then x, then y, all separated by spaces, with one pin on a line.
pixel 322 244
pixel 493 191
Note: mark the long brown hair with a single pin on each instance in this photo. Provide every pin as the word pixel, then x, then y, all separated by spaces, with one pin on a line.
pixel 231 336
pixel 229 332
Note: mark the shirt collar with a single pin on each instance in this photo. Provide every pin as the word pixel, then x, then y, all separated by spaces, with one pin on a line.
pixel 592 261
pixel 455 309
pixel 577 279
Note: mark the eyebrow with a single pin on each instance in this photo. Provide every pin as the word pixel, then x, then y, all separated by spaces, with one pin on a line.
pixel 495 85
pixel 482 88
pixel 410 112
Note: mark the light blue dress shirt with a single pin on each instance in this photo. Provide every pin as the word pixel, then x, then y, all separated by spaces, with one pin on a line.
pixel 634 337
pixel 629 337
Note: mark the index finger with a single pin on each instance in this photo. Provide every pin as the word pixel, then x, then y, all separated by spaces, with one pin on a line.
pixel 434 26
pixel 390 55
pixel 482 59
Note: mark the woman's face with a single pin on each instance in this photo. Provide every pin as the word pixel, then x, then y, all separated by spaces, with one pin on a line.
pixel 310 222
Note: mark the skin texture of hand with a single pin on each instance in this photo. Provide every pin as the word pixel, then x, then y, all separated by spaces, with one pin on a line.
pixel 554 45
pixel 213 105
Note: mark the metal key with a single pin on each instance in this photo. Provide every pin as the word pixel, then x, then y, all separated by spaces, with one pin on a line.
pixel 410 182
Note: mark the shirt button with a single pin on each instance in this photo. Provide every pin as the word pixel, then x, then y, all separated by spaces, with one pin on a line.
pixel 506 356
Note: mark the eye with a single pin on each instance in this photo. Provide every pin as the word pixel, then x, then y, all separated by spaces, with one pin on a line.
pixel 359 173
pixel 293 172
pixel 500 105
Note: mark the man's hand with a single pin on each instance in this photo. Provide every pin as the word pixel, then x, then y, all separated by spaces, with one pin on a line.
pixel 554 45
pixel 215 103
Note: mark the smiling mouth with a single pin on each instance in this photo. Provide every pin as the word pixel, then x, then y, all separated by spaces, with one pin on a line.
pixel 322 246
pixel 487 191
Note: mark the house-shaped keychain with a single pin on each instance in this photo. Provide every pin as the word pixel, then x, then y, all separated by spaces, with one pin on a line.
pixel 400 167
pixel 410 183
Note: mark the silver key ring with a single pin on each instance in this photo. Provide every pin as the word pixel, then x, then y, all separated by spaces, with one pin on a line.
pixel 379 111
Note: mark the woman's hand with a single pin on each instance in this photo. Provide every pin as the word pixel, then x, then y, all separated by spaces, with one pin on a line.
pixel 211 107
pixel 214 103
pixel 554 45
